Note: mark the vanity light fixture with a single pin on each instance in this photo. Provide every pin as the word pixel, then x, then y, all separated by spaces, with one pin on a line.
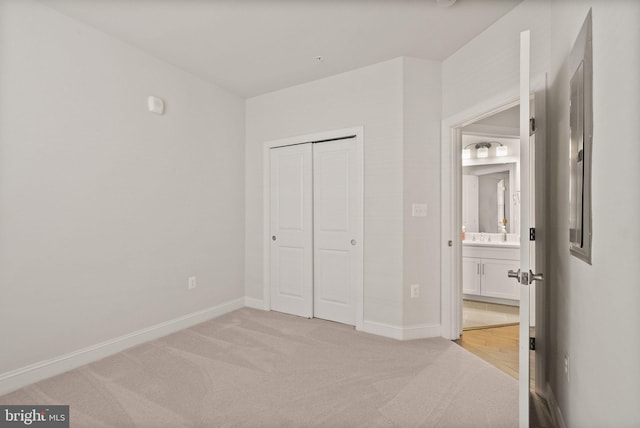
pixel 482 150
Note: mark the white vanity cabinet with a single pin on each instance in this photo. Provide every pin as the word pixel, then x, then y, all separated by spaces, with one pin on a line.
pixel 471 275
pixel 484 271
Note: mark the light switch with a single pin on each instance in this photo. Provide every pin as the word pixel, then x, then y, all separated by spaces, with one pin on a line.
pixel 419 210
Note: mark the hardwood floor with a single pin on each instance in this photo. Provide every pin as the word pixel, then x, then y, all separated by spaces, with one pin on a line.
pixel 499 347
pixel 484 315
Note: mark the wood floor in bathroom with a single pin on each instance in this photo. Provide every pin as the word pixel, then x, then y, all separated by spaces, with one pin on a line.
pixel 499 347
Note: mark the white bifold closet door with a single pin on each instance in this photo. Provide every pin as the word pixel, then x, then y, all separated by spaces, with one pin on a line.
pixel 315 219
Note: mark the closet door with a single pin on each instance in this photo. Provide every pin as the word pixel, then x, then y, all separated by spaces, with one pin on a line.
pixel 337 225
pixel 292 230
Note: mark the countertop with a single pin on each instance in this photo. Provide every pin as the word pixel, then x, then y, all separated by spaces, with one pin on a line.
pixel 495 244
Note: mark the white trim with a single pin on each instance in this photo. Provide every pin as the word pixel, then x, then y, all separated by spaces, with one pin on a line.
pixel 250 302
pixel 266 222
pixel 493 131
pixel 554 409
pixel 422 331
pixel 16 379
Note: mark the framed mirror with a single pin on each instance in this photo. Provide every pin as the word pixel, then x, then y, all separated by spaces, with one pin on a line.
pixel 580 132
pixel 490 198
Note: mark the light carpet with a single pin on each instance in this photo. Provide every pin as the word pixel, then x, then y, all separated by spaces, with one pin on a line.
pixel 251 368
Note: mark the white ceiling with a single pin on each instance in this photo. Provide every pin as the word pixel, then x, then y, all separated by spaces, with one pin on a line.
pixel 257 46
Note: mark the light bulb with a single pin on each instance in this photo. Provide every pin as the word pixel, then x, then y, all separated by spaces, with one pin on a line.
pixel 483 152
pixel 501 151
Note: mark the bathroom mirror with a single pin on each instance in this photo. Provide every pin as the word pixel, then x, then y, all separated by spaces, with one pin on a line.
pixel 489 198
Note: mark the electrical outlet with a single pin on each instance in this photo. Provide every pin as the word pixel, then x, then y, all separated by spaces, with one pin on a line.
pixel 192 283
pixel 415 290
pixel 566 367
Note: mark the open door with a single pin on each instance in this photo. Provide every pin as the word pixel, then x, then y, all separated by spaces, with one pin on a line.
pixel 524 275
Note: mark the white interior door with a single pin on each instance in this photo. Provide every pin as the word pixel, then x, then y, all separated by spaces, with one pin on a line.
pixel 291 206
pixel 337 222
pixel 525 276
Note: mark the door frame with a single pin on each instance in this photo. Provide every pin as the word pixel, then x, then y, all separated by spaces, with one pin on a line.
pixel 266 219
pixel 451 214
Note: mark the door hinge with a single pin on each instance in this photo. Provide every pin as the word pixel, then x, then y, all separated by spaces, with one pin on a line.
pixel 532 343
pixel 532 126
pixel 532 234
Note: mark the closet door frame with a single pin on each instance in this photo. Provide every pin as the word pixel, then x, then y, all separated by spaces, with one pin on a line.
pixel 358 132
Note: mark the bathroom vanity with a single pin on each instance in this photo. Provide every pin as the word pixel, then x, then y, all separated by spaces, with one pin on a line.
pixel 485 264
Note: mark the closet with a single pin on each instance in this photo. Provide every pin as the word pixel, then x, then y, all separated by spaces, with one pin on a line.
pixel 315 216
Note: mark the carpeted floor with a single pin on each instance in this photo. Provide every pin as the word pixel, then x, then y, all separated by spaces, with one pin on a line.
pixel 252 368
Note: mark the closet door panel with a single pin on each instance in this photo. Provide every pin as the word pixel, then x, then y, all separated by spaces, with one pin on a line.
pixel 336 229
pixel 291 252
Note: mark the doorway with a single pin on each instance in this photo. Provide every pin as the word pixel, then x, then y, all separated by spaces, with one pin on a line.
pixel 451 214
pixel 490 168
pixel 313 252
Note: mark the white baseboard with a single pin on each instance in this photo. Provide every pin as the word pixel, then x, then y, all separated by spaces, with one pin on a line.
pixel 19 378
pixel 554 408
pixel 250 302
pixel 421 331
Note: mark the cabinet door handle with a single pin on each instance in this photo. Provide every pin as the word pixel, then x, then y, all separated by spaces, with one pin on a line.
pixel 478 268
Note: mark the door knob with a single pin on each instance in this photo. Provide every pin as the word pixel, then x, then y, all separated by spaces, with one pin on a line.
pixel 514 274
pixel 273 238
pixel 353 242
pixel 535 277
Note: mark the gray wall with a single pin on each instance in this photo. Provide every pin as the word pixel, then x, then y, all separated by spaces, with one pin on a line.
pixel 398 104
pixel 594 308
pixel 105 208
pixel 422 95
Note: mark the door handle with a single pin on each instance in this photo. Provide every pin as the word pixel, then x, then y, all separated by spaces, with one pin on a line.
pixel 514 274
pixel 353 242
pixel 535 277
pixel 524 277
pixel 273 238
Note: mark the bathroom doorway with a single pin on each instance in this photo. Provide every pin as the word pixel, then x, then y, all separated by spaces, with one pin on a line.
pixel 490 202
pixel 452 267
